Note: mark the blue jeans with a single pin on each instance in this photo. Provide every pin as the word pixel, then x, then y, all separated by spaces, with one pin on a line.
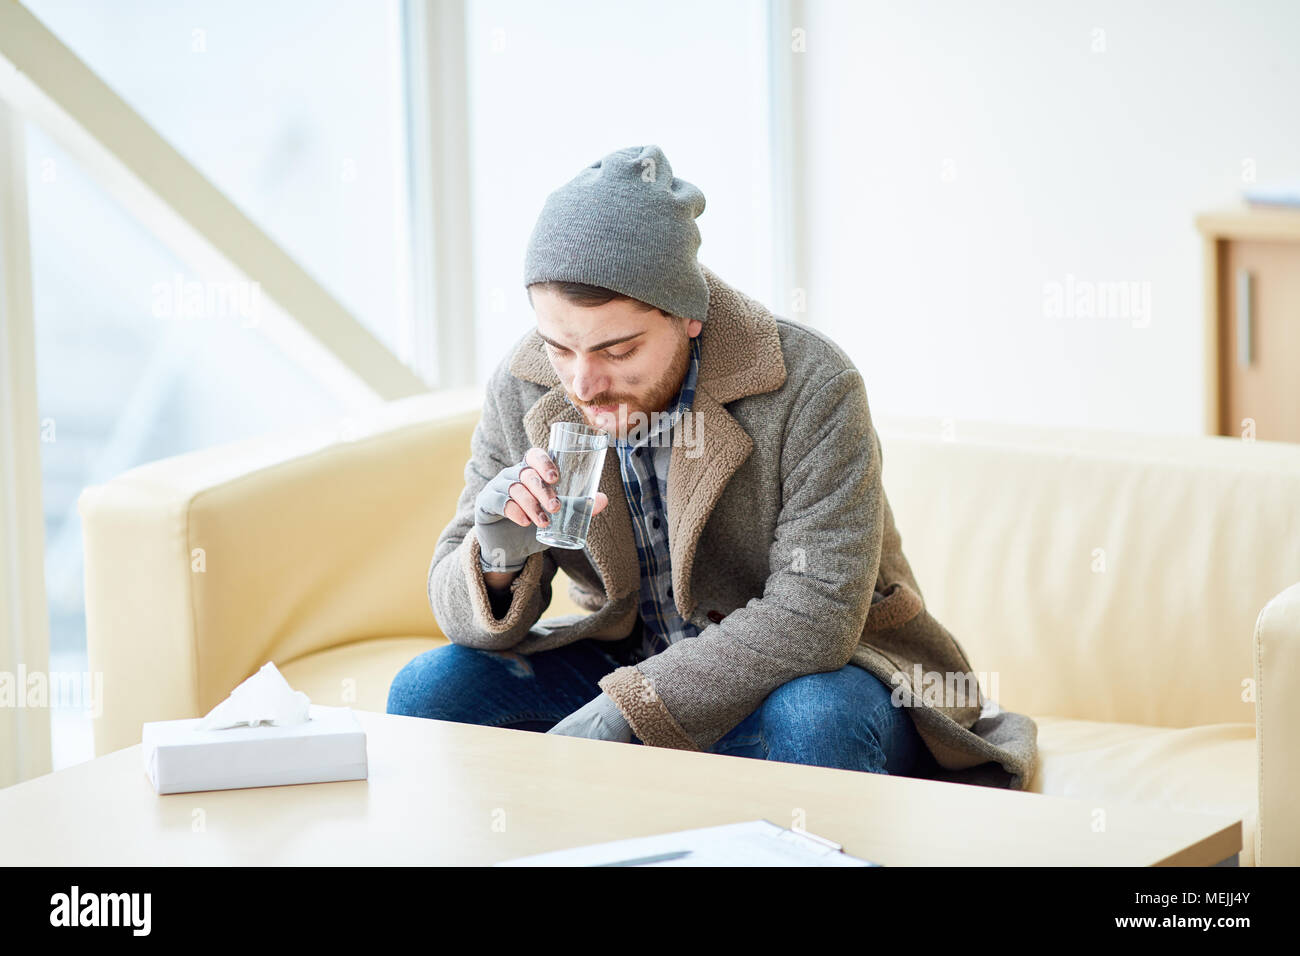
pixel 842 719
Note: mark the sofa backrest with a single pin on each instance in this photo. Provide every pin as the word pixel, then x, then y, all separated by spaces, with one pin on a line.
pixel 1101 575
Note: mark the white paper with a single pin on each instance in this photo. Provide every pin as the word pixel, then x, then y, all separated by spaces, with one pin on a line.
pixel 265 698
pixel 752 843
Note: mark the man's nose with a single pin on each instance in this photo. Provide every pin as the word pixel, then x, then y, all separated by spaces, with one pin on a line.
pixel 587 383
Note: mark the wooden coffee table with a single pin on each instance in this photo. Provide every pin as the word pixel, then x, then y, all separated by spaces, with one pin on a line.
pixel 447 793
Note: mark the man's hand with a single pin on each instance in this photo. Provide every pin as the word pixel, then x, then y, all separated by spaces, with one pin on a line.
pixel 523 494
pixel 600 720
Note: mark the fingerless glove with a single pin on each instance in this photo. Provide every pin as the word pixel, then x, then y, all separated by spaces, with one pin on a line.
pixel 504 545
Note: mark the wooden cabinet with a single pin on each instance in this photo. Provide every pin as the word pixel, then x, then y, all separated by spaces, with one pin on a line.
pixel 1252 322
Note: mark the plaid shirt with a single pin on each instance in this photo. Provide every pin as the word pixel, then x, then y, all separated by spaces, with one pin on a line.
pixel 644 466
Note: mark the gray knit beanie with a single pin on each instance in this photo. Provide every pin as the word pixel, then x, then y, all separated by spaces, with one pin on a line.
pixel 626 224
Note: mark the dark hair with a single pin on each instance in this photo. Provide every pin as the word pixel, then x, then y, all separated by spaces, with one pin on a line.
pixel 588 296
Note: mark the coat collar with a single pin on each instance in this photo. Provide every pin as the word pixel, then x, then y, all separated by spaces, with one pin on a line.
pixel 740 355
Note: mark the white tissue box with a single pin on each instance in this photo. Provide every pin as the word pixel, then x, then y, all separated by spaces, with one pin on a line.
pixel 329 746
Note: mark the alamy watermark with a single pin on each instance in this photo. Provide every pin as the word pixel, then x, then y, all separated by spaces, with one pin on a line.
pixel 945 689
pixel 657 430
pixel 1089 299
pixel 127 910
pixel 179 299
pixel 59 690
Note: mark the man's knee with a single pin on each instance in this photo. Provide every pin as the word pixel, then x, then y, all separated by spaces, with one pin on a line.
pixel 431 683
pixel 837 718
pixel 808 708
pixel 828 694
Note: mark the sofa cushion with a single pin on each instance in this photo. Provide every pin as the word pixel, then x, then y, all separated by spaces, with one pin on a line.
pixel 1210 769
pixel 356 674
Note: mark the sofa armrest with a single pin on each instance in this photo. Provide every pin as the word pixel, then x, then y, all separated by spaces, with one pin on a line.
pixel 1277 728
pixel 202 567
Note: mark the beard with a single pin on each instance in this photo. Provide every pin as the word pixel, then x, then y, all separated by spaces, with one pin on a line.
pixel 656 398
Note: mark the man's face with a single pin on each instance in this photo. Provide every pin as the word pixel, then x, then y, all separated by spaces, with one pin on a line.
pixel 615 359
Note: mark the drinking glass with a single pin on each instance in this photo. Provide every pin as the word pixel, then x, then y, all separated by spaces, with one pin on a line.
pixel 578 453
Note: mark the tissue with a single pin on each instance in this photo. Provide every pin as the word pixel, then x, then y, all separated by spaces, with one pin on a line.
pixel 265 698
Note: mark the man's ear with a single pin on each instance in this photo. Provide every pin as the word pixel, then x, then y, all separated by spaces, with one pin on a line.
pixel 693 327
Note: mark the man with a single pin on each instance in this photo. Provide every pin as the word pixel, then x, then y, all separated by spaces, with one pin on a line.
pixel 746 585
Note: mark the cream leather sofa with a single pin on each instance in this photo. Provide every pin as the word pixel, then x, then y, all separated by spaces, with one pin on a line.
pixel 1136 595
